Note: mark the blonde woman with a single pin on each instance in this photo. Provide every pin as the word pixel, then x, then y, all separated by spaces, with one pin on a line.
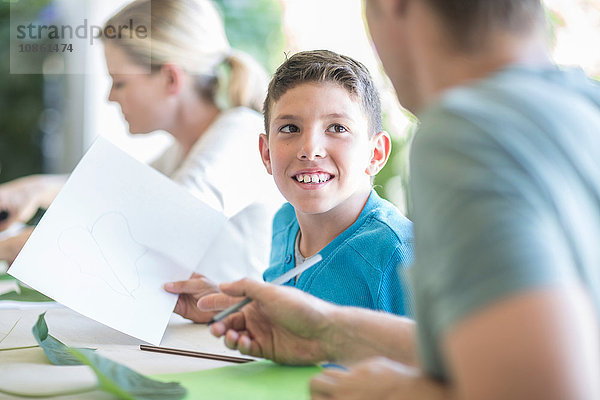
pixel 184 78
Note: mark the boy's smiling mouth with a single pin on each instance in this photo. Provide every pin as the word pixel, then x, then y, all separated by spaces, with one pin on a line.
pixel 313 178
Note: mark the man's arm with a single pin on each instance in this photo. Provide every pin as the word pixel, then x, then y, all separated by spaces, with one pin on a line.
pixel 542 344
pixel 360 333
pixel 290 326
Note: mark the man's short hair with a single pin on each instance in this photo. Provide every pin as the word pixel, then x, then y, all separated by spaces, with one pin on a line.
pixel 470 21
pixel 326 66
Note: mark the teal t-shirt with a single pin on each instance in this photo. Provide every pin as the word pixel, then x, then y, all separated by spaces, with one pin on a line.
pixel 505 186
pixel 360 267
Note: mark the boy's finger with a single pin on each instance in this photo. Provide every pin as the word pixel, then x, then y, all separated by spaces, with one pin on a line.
pixel 173 287
pixel 190 286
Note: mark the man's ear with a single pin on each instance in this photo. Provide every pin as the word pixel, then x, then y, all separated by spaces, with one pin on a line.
pixel 397 7
pixel 173 75
pixel 265 155
pixel 380 152
pixel 389 7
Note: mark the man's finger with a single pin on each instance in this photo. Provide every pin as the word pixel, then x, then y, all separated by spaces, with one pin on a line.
pixel 243 288
pixel 217 302
pixel 323 384
pixel 236 322
pixel 231 338
pixel 249 347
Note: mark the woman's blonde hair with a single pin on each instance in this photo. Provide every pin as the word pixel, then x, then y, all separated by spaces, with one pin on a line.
pixel 189 34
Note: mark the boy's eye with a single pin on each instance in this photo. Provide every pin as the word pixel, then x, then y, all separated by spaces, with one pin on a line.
pixel 337 128
pixel 289 128
pixel 117 85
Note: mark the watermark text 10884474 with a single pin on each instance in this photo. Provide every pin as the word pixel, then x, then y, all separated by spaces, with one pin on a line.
pixel 49 48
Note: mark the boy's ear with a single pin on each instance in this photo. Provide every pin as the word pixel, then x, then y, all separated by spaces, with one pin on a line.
pixel 380 152
pixel 263 147
pixel 173 75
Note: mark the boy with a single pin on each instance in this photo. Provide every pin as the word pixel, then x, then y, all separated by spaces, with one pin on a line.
pixel 323 145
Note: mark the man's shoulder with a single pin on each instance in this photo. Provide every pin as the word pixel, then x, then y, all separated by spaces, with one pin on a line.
pixel 512 96
pixel 518 112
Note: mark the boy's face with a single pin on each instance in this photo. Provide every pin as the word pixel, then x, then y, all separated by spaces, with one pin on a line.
pixel 318 149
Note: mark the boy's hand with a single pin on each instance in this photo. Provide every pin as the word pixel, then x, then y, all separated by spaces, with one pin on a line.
pixel 282 324
pixel 190 292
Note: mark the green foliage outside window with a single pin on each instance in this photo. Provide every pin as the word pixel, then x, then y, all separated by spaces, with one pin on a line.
pixel 21 103
pixel 254 26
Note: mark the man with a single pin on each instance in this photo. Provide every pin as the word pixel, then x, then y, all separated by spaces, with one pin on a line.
pixel 506 194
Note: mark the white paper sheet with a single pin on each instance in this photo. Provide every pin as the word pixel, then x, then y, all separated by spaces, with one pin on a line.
pixel 115 233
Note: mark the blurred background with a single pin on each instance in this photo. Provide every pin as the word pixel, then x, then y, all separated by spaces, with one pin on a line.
pixel 49 119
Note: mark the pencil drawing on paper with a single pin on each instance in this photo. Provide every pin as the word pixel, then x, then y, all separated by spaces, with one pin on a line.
pixel 107 251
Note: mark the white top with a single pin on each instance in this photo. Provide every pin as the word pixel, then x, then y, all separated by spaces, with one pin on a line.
pixel 224 169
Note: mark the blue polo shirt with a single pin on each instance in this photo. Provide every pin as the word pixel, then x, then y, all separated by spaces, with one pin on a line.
pixel 360 267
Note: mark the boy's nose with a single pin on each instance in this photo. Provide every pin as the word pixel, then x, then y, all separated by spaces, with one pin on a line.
pixel 312 147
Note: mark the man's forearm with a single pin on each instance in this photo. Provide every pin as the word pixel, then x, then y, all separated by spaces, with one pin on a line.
pixel 357 333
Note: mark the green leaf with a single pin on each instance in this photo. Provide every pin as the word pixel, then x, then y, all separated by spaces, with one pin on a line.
pixel 56 351
pixel 112 377
pixel 6 277
pixel 125 382
pixel 25 294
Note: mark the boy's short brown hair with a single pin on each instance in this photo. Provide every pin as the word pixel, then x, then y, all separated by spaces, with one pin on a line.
pixel 326 66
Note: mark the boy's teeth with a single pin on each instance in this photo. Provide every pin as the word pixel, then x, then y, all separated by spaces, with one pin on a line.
pixel 312 178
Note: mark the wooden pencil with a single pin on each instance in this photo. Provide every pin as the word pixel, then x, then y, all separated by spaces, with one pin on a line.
pixel 190 353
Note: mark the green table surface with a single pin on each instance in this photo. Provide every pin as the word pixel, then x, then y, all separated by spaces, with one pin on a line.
pixel 262 380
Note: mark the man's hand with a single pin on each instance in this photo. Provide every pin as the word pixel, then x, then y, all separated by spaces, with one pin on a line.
pixel 378 378
pixel 282 324
pixel 190 292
